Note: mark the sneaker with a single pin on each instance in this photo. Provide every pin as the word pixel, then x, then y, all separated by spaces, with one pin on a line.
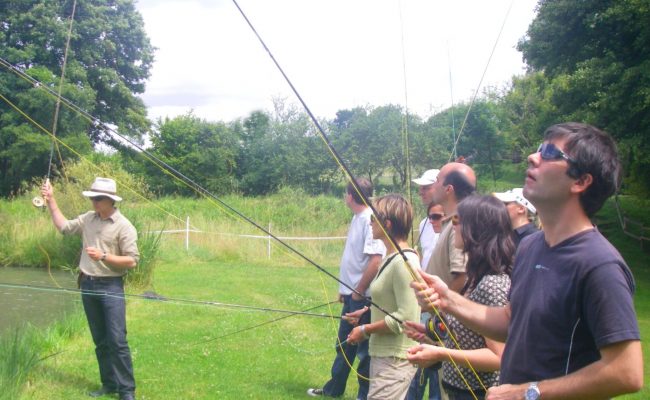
pixel 315 392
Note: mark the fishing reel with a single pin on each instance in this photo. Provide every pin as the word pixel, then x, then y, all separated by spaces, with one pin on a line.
pixel 436 331
pixel 38 202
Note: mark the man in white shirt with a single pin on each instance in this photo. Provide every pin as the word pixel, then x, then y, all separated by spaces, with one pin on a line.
pixel 427 237
pixel 359 264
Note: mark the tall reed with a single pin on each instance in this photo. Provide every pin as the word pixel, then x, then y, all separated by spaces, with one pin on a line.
pixel 18 356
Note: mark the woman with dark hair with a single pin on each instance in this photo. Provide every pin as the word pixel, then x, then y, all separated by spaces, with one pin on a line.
pixel 484 232
pixel 390 371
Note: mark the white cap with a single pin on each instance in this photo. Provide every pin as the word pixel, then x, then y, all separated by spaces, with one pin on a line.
pixel 103 187
pixel 429 177
pixel 515 195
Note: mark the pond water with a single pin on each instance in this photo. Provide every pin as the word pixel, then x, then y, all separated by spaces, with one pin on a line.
pixel 36 306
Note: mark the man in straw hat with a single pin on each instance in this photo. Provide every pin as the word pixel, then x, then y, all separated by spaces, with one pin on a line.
pixel 109 250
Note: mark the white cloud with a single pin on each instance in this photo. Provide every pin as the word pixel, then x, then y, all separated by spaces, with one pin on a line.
pixel 338 53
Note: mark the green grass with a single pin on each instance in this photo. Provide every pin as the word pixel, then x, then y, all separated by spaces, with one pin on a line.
pixel 174 351
pixel 25 347
pixel 181 351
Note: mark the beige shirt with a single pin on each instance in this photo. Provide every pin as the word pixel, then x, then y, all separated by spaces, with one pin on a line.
pixel 446 259
pixel 114 235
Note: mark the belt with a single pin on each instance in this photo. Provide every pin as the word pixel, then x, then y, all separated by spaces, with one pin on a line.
pixel 98 278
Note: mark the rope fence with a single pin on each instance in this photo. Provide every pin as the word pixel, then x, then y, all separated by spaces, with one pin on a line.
pixel 188 230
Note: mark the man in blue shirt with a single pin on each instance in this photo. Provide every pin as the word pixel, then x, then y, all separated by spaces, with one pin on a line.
pixel 570 328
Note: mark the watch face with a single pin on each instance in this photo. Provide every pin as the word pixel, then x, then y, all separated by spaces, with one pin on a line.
pixel 532 393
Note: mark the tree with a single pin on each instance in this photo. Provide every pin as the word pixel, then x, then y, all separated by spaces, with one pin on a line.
pixel 283 149
pixel 595 53
pixel 109 60
pixel 203 151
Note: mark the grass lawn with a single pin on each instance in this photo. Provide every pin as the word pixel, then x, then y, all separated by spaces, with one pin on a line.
pixel 179 352
pixel 172 352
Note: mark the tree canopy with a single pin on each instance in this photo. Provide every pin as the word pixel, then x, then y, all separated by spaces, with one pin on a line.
pixel 595 55
pixel 109 61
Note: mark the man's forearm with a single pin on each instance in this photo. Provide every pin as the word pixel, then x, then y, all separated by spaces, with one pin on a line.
pixel 619 371
pixel 369 274
pixel 491 322
pixel 125 262
pixel 58 218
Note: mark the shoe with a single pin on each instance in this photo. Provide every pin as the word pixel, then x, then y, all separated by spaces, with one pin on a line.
pixel 101 391
pixel 127 396
pixel 315 392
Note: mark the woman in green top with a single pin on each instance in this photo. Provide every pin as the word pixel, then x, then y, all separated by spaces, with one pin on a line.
pixel 390 371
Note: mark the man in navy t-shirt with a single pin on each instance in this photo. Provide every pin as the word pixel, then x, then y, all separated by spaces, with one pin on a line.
pixel 570 328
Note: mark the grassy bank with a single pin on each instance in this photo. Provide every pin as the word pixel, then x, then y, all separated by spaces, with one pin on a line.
pixel 204 351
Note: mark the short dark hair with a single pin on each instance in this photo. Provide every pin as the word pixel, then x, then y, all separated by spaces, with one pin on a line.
pixel 593 152
pixel 487 236
pixel 431 205
pixel 396 209
pixel 462 187
pixel 365 187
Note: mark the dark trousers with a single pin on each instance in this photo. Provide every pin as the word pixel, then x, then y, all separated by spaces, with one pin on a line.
pixel 461 394
pixel 419 385
pixel 335 387
pixel 103 301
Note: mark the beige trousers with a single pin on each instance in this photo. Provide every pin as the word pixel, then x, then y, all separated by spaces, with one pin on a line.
pixel 390 378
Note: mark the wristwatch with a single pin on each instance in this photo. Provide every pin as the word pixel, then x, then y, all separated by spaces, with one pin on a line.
pixel 103 257
pixel 532 393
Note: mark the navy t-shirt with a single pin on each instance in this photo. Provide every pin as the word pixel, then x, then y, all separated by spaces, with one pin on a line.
pixel 567 301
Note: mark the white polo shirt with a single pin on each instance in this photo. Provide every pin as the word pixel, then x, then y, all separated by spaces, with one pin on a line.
pixel 359 246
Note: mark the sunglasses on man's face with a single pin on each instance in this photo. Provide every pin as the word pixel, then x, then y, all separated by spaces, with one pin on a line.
pixel 98 198
pixel 435 216
pixel 548 151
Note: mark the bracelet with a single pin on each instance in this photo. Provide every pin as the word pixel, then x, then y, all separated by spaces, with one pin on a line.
pixel 363 331
pixel 103 256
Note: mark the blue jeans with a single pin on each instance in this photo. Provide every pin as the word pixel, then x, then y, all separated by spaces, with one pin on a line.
pixel 335 387
pixel 103 301
pixel 416 390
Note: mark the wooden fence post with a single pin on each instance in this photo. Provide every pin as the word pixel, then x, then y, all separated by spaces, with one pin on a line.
pixel 187 234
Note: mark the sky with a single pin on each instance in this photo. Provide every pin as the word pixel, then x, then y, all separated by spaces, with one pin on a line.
pixel 339 54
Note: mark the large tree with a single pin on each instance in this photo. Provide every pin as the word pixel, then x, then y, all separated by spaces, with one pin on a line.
pixel 109 60
pixel 596 56
pixel 201 150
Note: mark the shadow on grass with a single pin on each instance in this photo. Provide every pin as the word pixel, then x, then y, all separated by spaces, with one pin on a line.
pixel 69 379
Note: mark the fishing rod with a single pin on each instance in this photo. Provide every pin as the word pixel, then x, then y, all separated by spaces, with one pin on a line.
pixel 170 300
pixel 336 157
pixel 248 328
pixel 414 274
pixel 188 181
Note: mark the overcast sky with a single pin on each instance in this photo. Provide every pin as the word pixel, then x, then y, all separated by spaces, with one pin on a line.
pixel 338 53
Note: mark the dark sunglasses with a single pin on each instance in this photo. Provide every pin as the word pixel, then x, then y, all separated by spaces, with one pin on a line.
pixel 548 151
pixel 435 216
pixel 99 198
pixel 455 220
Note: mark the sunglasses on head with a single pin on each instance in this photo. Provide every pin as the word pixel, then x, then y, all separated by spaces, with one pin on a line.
pixel 455 220
pixel 548 151
pixel 99 198
pixel 435 216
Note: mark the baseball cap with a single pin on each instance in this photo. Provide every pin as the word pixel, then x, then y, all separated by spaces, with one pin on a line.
pixel 429 177
pixel 515 195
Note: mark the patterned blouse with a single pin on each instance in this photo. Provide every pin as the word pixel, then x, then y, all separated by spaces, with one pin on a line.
pixel 492 290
